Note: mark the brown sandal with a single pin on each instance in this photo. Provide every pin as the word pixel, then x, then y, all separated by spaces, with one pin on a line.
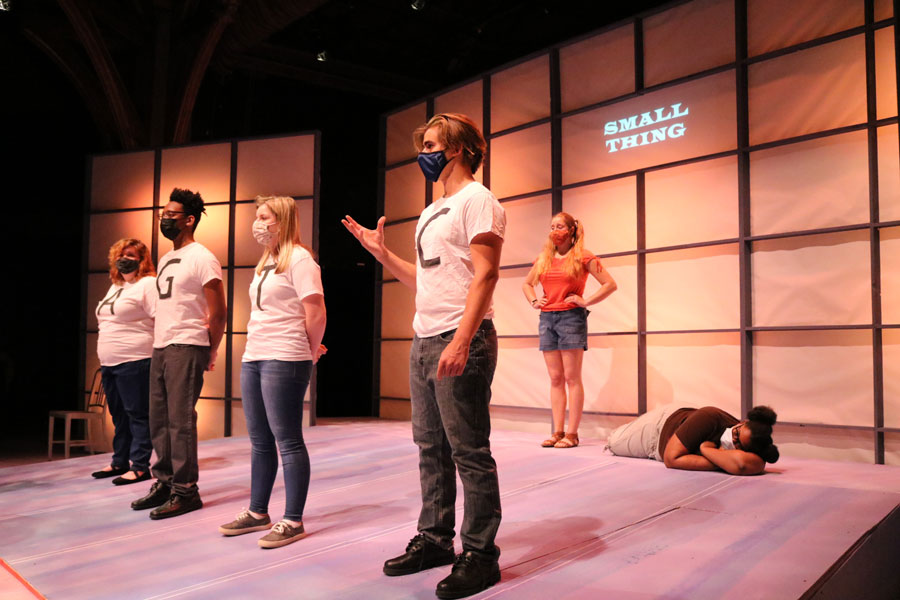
pixel 551 441
pixel 570 440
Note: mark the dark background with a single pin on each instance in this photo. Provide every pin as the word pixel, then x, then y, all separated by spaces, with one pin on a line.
pixel 382 54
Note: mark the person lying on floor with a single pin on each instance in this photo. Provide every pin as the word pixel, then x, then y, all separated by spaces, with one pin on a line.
pixel 700 439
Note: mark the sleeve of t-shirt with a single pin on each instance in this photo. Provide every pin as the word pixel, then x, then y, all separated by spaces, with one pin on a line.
pixel 306 276
pixel 588 256
pixel 483 214
pixel 150 296
pixel 208 268
pixel 698 427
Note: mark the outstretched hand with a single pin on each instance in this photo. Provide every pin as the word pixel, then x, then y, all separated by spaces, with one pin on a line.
pixel 371 239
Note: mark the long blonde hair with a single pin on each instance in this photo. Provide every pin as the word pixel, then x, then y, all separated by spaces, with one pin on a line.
pixel 572 264
pixel 285 210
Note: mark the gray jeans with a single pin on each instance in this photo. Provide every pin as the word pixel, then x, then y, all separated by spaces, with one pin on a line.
pixel 640 438
pixel 452 428
pixel 176 377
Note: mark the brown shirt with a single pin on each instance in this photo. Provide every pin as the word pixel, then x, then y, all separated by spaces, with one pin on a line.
pixel 694 426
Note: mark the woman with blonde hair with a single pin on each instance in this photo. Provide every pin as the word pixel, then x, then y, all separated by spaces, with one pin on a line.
pixel 287 322
pixel 125 319
pixel 562 270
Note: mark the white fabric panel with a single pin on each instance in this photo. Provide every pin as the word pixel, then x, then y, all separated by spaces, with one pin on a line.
pixel 890 348
pixel 696 288
pixel 520 162
pixel 774 24
pixel 885 73
pixel 692 203
pixel 210 419
pixel 521 376
pixel 527 226
pixel 467 100
pixel 808 91
pixel 238 343
pixel 683 121
pixel 815 376
pixel 241 301
pixel 97 286
pixel 812 280
pixel 305 214
pixel 695 369
pixel 205 169
pixel 609 374
pixel 619 311
pixel 597 69
pixel 890 275
pixel 398 307
pixel 892 449
pixel 212 232
pixel 404 192
pixel 246 249
pixel 395 369
pixel 276 167
pixel 888 173
pixel 520 94
pixel 824 444
pixel 399 131
pixel 401 240
pixel 884 9
pixel 512 313
pixel 688 38
pixel 608 212
pixel 107 229
pixel 814 184
pixel 214 381
pixel 122 181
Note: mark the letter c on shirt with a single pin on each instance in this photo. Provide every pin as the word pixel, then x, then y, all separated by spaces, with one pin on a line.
pixel 428 262
pixel 168 292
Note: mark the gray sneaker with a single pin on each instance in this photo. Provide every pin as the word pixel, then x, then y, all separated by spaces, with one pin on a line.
pixel 282 534
pixel 244 522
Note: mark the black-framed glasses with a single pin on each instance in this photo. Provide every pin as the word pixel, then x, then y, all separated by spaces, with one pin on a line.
pixel 169 214
pixel 736 436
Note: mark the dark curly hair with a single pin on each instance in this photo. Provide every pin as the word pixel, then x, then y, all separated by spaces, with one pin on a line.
pixel 192 203
pixel 760 420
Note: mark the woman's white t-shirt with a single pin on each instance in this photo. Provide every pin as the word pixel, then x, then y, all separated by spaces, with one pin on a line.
pixel 125 316
pixel 277 327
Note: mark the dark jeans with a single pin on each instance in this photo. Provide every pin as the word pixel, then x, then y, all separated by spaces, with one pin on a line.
pixel 127 387
pixel 272 396
pixel 452 428
pixel 176 377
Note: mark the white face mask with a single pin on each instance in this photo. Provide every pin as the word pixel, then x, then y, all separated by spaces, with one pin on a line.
pixel 726 442
pixel 262 234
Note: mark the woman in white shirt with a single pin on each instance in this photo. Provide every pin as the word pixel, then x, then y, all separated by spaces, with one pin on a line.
pixel 284 335
pixel 125 318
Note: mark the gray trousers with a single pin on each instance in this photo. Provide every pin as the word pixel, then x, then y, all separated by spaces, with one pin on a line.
pixel 640 438
pixel 176 377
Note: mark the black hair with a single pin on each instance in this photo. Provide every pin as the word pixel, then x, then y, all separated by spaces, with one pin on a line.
pixel 192 203
pixel 760 420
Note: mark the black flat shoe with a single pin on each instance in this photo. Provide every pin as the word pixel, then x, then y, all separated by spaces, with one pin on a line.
pixel 420 554
pixel 144 476
pixel 177 505
pixel 158 494
pixel 111 473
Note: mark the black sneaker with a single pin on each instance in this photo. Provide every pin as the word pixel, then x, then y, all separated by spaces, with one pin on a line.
pixel 420 554
pixel 158 494
pixel 177 505
pixel 472 573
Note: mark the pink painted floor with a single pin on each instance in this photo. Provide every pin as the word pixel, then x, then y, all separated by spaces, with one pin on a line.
pixel 576 524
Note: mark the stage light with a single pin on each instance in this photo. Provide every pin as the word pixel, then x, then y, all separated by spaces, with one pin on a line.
pixel 322 56
pixel 417 4
pixel 5 4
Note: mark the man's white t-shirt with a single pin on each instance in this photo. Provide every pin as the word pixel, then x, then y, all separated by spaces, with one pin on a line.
pixel 125 317
pixel 277 327
pixel 182 314
pixel 444 268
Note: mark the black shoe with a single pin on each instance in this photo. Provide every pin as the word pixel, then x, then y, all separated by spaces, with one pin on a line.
pixel 472 573
pixel 420 554
pixel 111 473
pixel 144 476
pixel 177 505
pixel 158 494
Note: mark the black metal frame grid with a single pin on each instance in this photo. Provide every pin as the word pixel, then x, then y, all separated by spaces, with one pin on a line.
pixel 229 393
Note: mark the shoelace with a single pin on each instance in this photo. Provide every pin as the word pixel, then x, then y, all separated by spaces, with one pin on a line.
pixel 416 541
pixel 281 527
pixel 244 514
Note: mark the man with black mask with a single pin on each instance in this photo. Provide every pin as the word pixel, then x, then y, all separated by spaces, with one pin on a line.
pixel 190 321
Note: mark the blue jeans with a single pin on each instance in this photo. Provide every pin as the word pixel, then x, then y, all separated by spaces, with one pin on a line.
pixel 452 428
pixel 272 394
pixel 127 387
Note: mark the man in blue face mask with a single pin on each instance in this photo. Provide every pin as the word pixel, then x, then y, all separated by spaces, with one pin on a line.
pixel 454 353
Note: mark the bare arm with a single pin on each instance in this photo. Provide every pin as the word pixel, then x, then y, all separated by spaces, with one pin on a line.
pixel 607 286
pixel 736 462
pixel 679 457
pixel 373 241
pixel 485 249
pixel 215 301
pixel 314 306
pixel 528 289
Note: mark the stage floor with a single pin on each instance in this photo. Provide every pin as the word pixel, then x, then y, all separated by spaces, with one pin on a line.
pixel 577 523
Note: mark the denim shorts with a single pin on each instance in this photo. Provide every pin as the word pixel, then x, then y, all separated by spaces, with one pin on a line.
pixel 563 329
